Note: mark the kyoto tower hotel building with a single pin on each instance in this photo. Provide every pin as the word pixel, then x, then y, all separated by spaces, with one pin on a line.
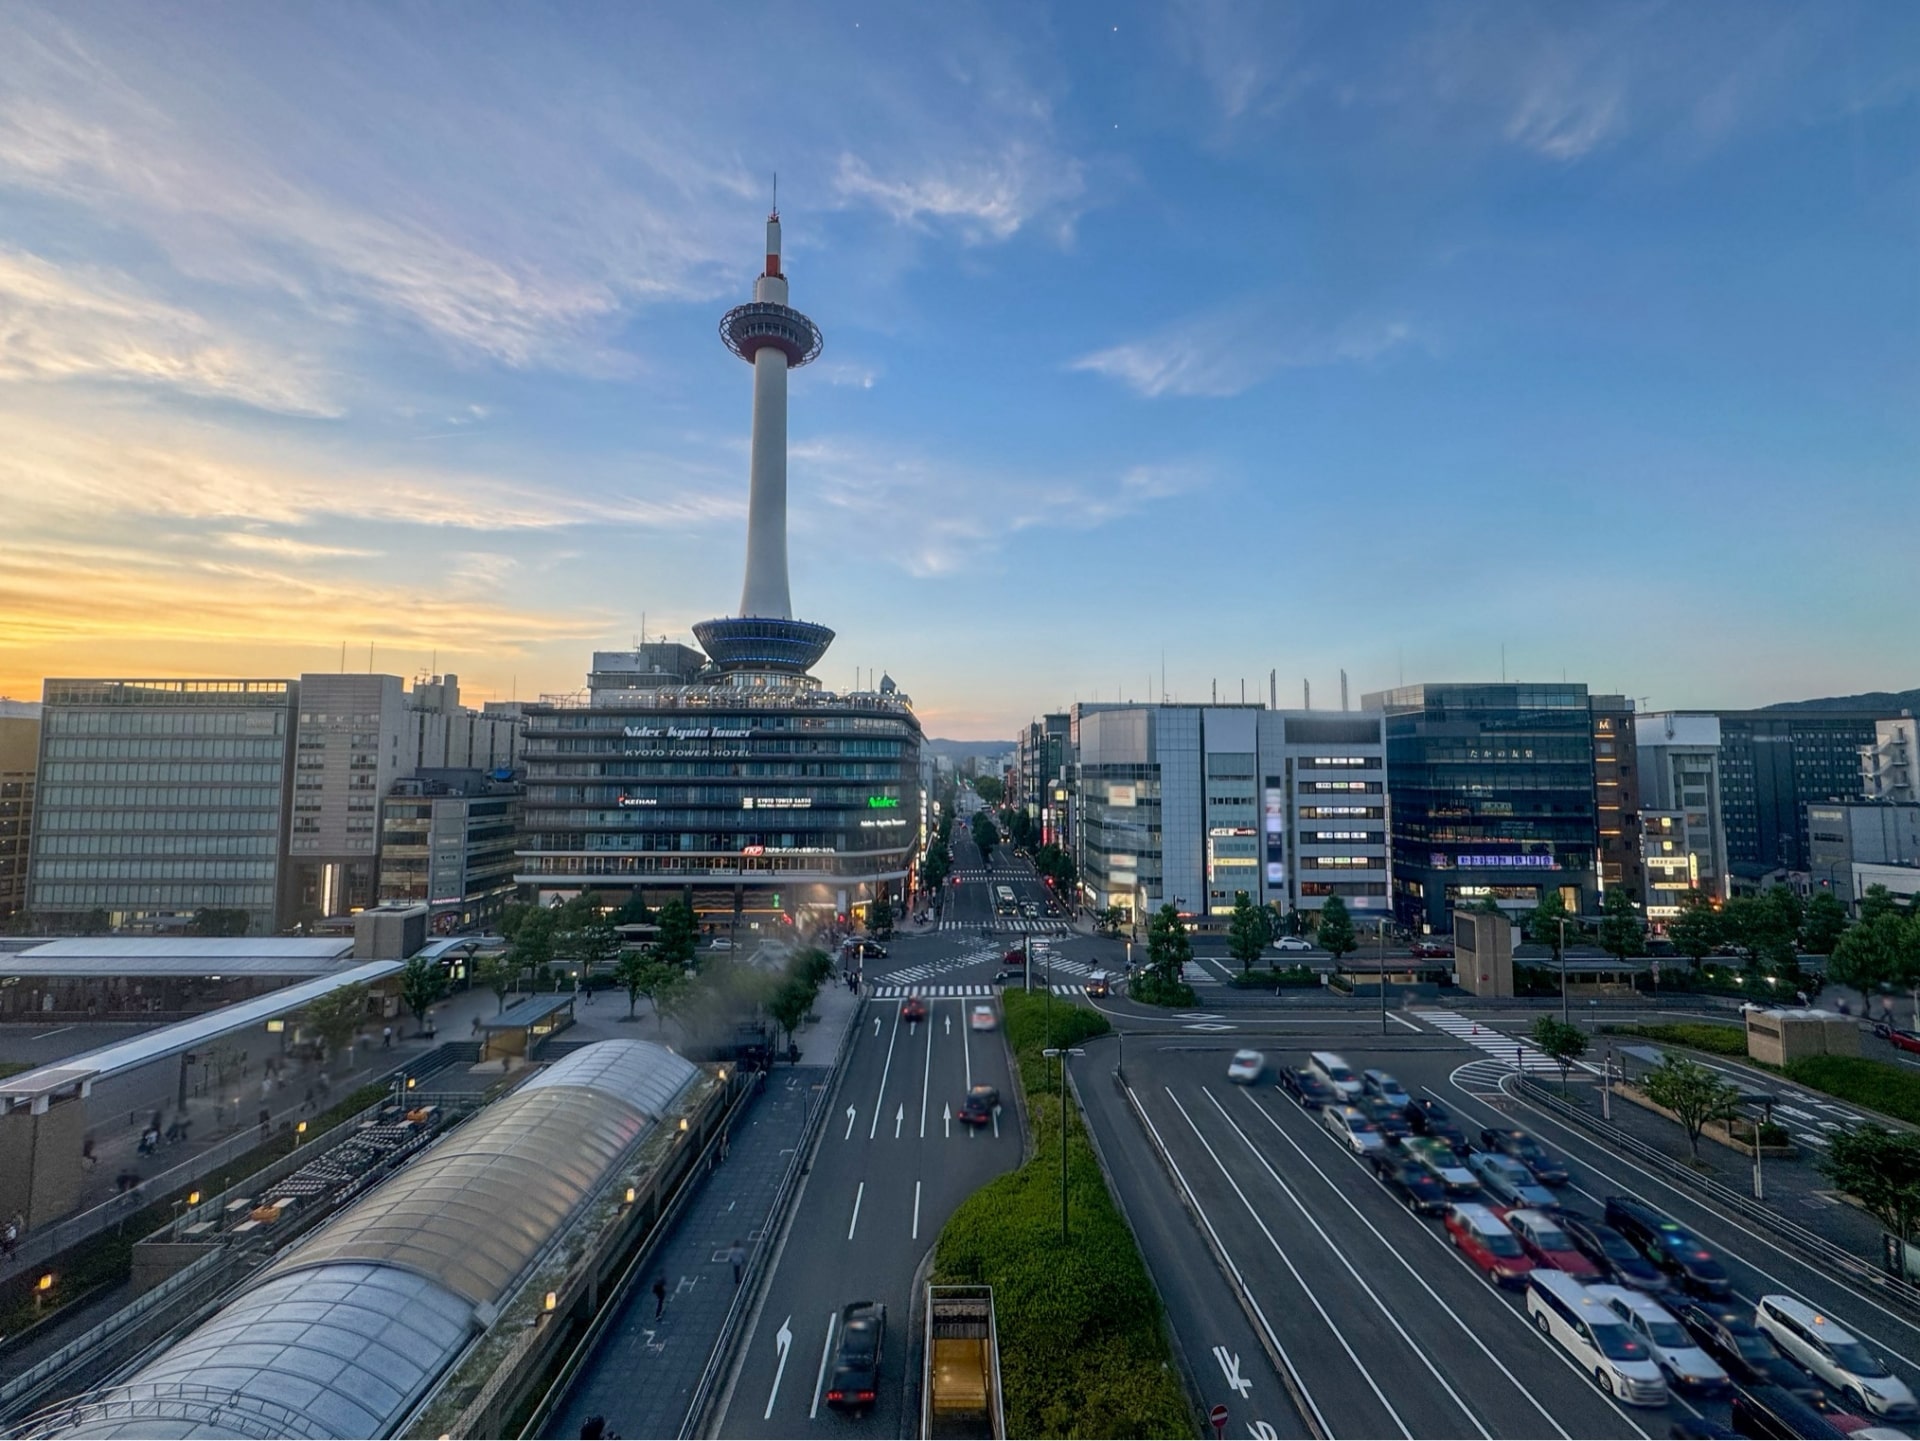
pixel 732 779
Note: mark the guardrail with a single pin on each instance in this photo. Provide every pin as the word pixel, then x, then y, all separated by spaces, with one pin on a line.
pixel 1815 1245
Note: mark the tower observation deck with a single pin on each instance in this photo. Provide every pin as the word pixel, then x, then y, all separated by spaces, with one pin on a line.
pixel 774 338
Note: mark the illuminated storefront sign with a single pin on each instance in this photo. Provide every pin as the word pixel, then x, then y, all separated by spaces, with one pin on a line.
pixel 883 803
pixel 629 802
pixel 1486 862
pixel 684 733
pixel 776 803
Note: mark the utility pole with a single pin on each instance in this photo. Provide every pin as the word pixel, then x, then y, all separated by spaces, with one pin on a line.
pixel 1565 1018
pixel 1063 1052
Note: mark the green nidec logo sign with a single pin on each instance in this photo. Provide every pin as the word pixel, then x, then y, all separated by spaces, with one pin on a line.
pixel 883 803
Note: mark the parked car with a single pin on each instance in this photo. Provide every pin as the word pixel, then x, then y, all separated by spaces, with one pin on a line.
pixel 1742 1348
pixel 1614 1254
pixel 1894 1036
pixel 1680 1355
pixel 1508 1182
pixel 1670 1246
pixel 1547 1169
pixel 1540 1235
pixel 1246 1068
pixel 1307 1088
pixel 1388 1119
pixel 1292 943
pixel 1430 1118
pixel 1836 1356
pixel 982 1018
pixel 1412 1183
pixel 1442 1162
pixel 1600 1343
pixel 854 1384
pixel 1485 1240
pixel 1383 1087
pixel 719 943
pixel 913 1009
pixel 1351 1125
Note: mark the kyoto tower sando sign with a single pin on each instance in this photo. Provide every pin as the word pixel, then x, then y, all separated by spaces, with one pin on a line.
pixel 774 338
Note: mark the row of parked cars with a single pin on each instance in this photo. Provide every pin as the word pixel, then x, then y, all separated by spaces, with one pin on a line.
pixel 1636 1298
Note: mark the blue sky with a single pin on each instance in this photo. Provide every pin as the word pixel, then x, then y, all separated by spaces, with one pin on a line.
pixel 1248 336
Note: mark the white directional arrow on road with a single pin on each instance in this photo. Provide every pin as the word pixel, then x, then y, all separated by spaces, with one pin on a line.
pixel 899 1120
pixel 946 1120
pixel 949 1025
pixel 1231 1365
pixel 783 1339
pixel 849 1135
pixel 876 1025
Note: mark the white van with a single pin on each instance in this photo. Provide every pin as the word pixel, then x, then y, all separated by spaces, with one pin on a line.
pixel 1336 1073
pixel 1595 1337
pixel 1835 1355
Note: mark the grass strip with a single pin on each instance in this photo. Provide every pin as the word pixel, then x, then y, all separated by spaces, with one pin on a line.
pixel 1082 1350
pixel 1700 1035
pixel 1874 1085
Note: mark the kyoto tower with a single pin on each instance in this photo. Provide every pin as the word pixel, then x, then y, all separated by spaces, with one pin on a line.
pixel 773 338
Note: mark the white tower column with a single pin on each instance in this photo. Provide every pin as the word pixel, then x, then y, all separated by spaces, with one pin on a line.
pixel 765 593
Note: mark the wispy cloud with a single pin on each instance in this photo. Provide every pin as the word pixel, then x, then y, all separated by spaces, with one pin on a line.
pixel 1228 352
pixel 61 324
pixel 986 196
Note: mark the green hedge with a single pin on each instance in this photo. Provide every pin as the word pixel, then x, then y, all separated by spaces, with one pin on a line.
pixel 1149 989
pixel 1701 1035
pixel 1877 1085
pixel 1268 977
pixel 1081 1348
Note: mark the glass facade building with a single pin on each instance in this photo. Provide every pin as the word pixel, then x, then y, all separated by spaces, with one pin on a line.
pixel 1493 796
pixel 447 843
pixel 1773 764
pixel 19 760
pixel 159 797
pixel 745 794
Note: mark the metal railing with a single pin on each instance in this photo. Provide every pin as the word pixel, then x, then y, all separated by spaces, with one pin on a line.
pixel 1818 1247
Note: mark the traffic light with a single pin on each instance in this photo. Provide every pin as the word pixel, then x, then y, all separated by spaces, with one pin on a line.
pixel 776 900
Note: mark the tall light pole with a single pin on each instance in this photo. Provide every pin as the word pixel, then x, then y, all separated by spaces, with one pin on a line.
pixel 1565 1018
pixel 1382 958
pixel 1063 1052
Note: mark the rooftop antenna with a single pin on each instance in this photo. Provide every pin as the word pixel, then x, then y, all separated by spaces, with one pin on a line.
pixel 1343 690
pixel 776 193
pixel 1306 693
pixel 343 657
pixel 1273 689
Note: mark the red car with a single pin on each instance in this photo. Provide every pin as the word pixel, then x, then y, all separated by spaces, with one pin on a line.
pixel 1903 1040
pixel 1432 950
pixel 1542 1239
pixel 1487 1242
pixel 913 1009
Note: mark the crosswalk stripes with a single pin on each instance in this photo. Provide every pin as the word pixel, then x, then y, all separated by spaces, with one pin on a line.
pixel 1501 1047
pixel 1020 926
pixel 957 992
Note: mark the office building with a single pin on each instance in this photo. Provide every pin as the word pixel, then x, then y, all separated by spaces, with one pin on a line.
pixel 157 798
pixel 19 763
pixel 447 840
pixel 1890 764
pixel 1616 798
pixel 744 786
pixel 1843 840
pixel 1189 805
pixel 1493 790
pixel 1684 841
pixel 1040 755
pixel 1773 765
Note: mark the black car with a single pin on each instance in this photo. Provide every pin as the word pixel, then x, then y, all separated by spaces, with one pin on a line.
pixel 1430 1118
pixel 1614 1254
pixel 1774 1411
pixel 1742 1348
pixel 1307 1088
pixel 1671 1247
pixel 975 1112
pixel 1387 1119
pixel 1412 1183
pixel 855 1381
pixel 1546 1168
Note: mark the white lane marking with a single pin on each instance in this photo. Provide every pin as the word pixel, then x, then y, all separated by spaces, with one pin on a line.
pixel 899 1120
pixel 885 1070
pixel 1407 1266
pixel 849 1135
pixel 1334 1250
pixel 1230 1366
pixel 856 1209
pixel 1220 1247
pixel 1287 1261
pixel 1396 1016
pixel 783 1342
pixel 1725 1220
pixel 926 1081
pixel 826 1354
pixel 47 1035
pixel 966 1049
pixel 916 1210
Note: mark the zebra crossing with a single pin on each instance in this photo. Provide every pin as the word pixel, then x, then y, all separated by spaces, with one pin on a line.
pixel 959 992
pixel 1018 925
pixel 1502 1047
pixel 927 970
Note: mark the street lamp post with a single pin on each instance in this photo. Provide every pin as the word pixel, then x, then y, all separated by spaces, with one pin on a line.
pixel 1381 976
pixel 1765 1102
pixel 1063 1052
pixel 1566 1019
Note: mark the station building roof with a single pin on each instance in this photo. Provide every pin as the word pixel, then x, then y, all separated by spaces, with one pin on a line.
pixel 153 957
pixel 347 1333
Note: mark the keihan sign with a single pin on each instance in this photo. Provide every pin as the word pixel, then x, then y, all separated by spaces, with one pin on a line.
pixel 883 803
pixel 684 733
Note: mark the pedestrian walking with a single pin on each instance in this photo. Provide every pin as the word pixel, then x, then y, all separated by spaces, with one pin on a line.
pixel 476 1025
pixel 9 1238
pixel 86 1153
pixel 386 1037
pixel 659 1297
pixel 737 1258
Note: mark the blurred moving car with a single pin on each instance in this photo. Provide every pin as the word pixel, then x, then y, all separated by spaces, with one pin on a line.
pixel 1388 1119
pixel 1542 1238
pixel 1443 1163
pixel 1742 1348
pixel 1509 1182
pixel 975 1112
pixel 1547 1169
pixel 1412 1183
pixel 982 1018
pixel 1307 1088
pixel 1679 1354
pixel 1486 1241
pixel 1670 1246
pixel 1246 1068
pixel 913 1009
pixel 1351 1125
pixel 1384 1087
pixel 1292 943
pixel 854 1384
pixel 1836 1356
pixel 1430 1118
pixel 1614 1254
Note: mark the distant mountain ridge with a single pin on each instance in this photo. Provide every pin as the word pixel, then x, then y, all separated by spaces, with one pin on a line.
pixel 1888 700
pixel 964 750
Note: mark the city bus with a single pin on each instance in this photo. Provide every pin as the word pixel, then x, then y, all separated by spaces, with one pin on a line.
pixel 1003 901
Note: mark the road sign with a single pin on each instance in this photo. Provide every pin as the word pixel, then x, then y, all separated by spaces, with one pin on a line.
pixel 1218 1416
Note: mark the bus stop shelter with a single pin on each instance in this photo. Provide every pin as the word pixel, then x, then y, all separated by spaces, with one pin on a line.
pixel 523 1027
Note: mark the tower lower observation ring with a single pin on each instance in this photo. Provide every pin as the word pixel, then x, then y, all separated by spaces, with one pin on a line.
pixel 749 328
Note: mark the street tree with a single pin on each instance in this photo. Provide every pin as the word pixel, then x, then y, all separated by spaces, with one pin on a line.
pixel 1622 932
pixel 422 982
pixel 1564 1043
pixel 335 1016
pixel 1877 901
pixel 1169 947
pixel 1697 929
pixel 990 789
pixel 642 973
pixel 1109 921
pixel 1868 955
pixel 1881 1169
pixel 679 941
pixel 1825 923
pixel 1693 1093
pixel 1246 932
pixel 1547 925
pixel 218 921
pixel 1335 932
pixel 493 973
pixel 530 941
pixel 633 912
pixel 986 835
pixel 880 918
pixel 1486 906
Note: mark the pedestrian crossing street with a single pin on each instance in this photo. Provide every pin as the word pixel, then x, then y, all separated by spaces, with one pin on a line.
pixel 960 992
pixel 1497 1044
pixel 1018 925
